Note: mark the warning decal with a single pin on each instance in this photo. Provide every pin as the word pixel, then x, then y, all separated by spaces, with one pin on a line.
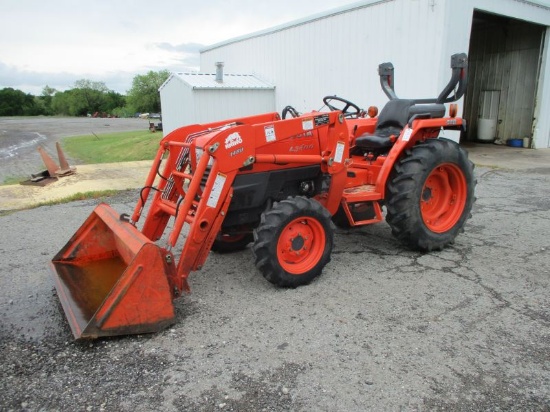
pixel 270 133
pixel 339 152
pixel 216 190
pixel 307 124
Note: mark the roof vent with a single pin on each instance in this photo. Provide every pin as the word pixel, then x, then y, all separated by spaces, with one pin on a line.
pixel 219 72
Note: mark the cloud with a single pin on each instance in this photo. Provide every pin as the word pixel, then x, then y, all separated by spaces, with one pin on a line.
pixel 186 55
pixel 187 48
pixel 113 42
pixel 178 57
pixel 34 81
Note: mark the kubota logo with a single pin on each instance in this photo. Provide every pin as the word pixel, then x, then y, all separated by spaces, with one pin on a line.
pixel 233 140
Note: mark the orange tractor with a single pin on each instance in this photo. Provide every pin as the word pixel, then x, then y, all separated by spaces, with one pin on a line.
pixel 278 184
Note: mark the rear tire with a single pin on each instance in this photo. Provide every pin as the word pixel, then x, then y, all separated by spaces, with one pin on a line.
pixel 430 194
pixel 293 242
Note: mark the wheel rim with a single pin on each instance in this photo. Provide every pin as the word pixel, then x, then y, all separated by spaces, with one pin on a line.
pixel 443 197
pixel 301 245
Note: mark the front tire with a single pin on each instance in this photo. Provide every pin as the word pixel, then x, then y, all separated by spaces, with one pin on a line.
pixel 430 194
pixel 293 242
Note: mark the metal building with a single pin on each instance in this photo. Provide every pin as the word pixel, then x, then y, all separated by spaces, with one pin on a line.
pixel 188 98
pixel 338 52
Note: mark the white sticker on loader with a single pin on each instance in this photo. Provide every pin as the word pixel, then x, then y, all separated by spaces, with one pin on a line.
pixel 270 133
pixel 408 134
pixel 216 190
pixel 307 124
pixel 339 152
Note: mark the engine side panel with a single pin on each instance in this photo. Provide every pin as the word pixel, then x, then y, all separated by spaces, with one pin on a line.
pixel 252 191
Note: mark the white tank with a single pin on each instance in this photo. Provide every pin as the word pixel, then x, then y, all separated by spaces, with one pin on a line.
pixel 486 130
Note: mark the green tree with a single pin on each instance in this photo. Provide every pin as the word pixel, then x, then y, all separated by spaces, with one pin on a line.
pixel 62 103
pixel 39 107
pixel 88 97
pixel 113 100
pixel 14 102
pixel 46 98
pixel 143 95
pixel 48 91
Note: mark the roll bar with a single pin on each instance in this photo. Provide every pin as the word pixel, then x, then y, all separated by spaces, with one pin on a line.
pixel 459 77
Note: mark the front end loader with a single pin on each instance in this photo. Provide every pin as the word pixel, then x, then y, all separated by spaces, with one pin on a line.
pixel 280 184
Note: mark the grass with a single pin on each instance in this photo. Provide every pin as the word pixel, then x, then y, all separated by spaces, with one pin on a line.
pixel 113 147
pixel 103 148
pixel 13 180
pixel 107 148
pixel 99 194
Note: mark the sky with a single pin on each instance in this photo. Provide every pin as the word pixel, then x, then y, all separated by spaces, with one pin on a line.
pixel 57 42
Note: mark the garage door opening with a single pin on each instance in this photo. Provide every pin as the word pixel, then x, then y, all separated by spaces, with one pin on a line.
pixel 504 67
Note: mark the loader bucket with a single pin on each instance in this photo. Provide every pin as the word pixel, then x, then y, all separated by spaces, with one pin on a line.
pixel 112 280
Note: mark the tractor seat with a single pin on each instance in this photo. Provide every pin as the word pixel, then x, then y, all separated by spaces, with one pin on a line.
pixel 391 121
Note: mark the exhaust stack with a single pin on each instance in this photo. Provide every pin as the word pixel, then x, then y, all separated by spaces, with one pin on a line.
pixel 219 72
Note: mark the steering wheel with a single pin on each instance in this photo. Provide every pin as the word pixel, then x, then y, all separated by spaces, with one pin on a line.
pixel 289 110
pixel 347 104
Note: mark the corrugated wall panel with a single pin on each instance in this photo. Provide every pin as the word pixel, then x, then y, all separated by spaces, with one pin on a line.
pixel 340 55
pixel 177 105
pixel 182 105
pixel 213 105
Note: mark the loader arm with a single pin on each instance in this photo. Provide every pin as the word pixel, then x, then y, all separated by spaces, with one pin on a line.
pixel 196 166
pixel 113 279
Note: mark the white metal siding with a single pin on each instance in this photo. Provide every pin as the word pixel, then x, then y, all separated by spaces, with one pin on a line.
pixel 213 105
pixel 340 55
pixel 176 100
pixel 518 9
pixel 183 105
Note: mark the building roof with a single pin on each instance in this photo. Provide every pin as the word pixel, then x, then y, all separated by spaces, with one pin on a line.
pixel 230 81
pixel 317 16
pixel 543 4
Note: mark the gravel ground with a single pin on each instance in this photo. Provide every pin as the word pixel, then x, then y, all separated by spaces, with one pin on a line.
pixel 383 328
